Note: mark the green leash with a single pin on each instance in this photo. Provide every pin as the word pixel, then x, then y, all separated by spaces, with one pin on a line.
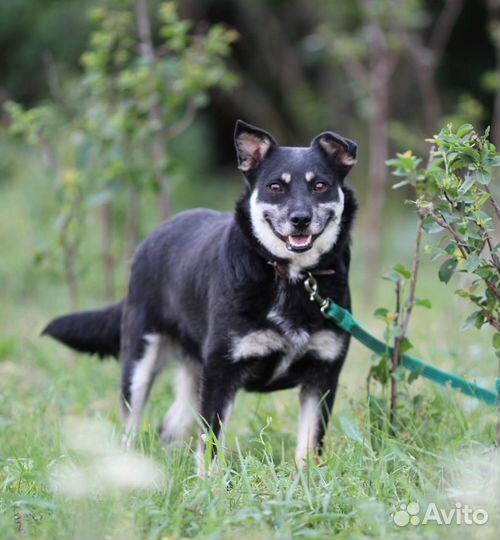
pixel 344 320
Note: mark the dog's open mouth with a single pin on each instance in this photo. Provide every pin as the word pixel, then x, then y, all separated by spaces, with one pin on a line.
pixel 299 242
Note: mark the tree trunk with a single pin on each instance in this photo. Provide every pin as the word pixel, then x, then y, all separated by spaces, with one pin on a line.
pixel 425 66
pixel 494 30
pixel 395 361
pixel 108 261
pixel 379 153
pixel 158 151
pixel 495 123
pixel 427 57
pixel 133 222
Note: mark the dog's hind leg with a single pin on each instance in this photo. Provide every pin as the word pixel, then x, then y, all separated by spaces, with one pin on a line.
pixel 182 414
pixel 141 361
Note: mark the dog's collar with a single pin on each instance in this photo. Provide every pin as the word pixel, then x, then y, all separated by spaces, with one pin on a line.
pixel 281 270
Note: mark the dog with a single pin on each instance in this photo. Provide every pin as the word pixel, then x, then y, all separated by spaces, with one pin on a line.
pixel 222 296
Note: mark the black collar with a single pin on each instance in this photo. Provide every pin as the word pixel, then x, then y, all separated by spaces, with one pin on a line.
pixel 281 270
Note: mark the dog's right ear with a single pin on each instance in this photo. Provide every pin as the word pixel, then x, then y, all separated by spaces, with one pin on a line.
pixel 340 151
pixel 252 145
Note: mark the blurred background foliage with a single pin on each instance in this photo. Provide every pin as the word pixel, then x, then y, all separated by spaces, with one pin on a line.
pixel 116 113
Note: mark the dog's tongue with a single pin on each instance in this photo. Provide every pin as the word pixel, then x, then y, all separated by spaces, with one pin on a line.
pixel 299 241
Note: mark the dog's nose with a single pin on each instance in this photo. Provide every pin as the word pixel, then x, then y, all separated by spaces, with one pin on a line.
pixel 300 219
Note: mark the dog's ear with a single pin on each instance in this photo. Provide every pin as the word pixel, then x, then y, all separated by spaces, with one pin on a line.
pixel 252 145
pixel 340 151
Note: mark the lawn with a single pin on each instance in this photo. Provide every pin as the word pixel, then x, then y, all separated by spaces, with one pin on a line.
pixel 64 475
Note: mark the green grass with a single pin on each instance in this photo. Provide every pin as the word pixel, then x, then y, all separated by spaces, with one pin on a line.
pixel 256 492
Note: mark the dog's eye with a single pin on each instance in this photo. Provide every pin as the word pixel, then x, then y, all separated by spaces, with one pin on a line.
pixel 320 187
pixel 275 187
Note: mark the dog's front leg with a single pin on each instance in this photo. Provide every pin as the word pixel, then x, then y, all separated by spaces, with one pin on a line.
pixel 218 390
pixel 317 396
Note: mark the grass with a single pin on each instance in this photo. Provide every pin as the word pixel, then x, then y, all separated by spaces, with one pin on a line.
pixel 440 453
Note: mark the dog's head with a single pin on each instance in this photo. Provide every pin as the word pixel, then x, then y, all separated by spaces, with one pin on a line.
pixel 296 194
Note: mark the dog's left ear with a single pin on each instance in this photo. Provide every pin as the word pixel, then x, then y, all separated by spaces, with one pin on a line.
pixel 252 145
pixel 340 151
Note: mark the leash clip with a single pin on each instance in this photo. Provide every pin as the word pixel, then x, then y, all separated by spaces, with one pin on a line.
pixel 311 286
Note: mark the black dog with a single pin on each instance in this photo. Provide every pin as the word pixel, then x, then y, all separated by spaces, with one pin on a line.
pixel 222 295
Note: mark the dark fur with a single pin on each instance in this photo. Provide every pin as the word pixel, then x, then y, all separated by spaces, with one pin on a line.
pixel 203 276
pixel 101 335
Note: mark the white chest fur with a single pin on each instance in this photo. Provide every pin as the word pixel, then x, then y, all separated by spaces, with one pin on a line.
pixel 292 343
pixel 259 343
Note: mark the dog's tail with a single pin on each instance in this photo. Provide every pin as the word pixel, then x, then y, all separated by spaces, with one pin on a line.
pixel 92 332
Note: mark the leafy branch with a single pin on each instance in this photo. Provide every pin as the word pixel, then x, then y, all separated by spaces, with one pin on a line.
pixel 452 198
pixel 404 316
pixel 397 324
pixel 453 194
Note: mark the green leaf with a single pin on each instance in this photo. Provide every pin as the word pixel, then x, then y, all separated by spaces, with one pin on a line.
pixel 406 345
pixel 391 276
pixel 482 199
pixel 467 184
pixel 450 248
pixel 431 227
pixel 446 270
pixel 482 177
pixel 496 340
pixel 474 319
pixel 472 263
pixel 484 272
pixel 380 371
pixel 464 129
pixel 424 302
pixel 381 313
pixel 401 269
pixel 413 376
pixel 401 184
pixel 470 152
pixel 494 161
pixel 463 293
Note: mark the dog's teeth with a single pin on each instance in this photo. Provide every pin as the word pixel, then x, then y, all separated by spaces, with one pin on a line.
pixel 299 241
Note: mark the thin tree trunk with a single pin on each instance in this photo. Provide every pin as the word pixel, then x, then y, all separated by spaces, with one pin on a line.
pixel 424 62
pixel 430 95
pixel 426 58
pixel 495 124
pixel 158 151
pixel 395 361
pixel 379 153
pixel 494 31
pixel 133 222
pixel 404 315
pixel 444 27
pixel 108 261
